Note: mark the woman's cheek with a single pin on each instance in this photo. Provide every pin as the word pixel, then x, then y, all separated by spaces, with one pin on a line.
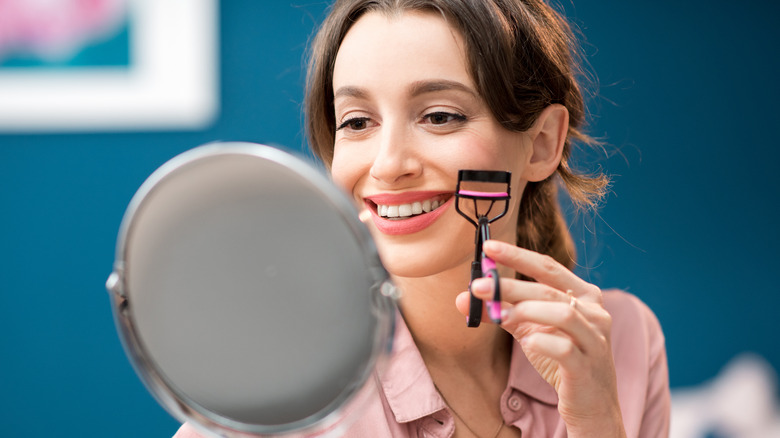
pixel 344 171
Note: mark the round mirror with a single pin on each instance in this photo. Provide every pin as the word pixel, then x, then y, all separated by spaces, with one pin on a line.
pixel 248 295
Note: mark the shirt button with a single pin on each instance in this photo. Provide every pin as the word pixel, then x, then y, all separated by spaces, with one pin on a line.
pixel 514 403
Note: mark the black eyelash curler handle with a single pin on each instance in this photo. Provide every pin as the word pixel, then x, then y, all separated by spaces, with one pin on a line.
pixel 483 266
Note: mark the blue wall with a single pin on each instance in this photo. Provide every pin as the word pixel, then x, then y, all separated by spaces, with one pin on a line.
pixel 687 103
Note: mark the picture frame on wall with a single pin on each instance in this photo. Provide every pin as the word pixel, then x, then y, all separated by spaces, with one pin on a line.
pixel 124 65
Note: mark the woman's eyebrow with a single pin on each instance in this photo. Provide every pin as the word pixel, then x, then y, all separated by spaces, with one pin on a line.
pixel 416 88
pixel 422 87
pixel 350 91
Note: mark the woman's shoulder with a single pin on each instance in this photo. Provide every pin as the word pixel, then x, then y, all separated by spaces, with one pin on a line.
pixel 639 350
pixel 634 325
pixel 627 308
pixel 636 331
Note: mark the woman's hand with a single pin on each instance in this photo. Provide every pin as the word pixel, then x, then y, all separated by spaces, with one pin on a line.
pixel 564 330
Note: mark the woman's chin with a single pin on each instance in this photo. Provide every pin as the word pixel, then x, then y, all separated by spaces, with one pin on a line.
pixel 418 263
pixel 405 269
pixel 446 245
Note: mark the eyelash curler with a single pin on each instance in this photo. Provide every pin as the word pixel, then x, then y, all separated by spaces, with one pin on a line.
pixel 483 266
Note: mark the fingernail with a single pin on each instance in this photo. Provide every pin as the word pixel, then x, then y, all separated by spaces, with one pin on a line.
pixel 481 286
pixel 504 314
pixel 496 247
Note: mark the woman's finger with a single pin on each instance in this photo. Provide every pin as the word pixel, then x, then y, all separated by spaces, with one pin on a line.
pixel 554 346
pixel 514 291
pixel 541 268
pixel 567 318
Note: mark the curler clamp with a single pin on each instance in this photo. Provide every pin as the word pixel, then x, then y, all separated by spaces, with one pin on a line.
pixel 483 266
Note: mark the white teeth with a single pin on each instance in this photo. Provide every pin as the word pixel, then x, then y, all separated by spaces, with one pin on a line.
pixel 407 210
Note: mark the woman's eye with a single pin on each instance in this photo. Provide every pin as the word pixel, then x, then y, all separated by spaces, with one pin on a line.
pixel 441 118
pixel 355 124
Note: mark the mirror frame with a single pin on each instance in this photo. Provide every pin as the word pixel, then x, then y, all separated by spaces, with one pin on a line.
pixel 384 297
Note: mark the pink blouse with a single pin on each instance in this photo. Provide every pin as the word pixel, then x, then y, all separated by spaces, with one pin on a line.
pixel 408 404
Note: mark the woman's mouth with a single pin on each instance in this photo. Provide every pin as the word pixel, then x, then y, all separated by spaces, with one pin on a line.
pixel 407 213
pixel 403 211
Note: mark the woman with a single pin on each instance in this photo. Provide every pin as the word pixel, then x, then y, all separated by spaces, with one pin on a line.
pixel 401 95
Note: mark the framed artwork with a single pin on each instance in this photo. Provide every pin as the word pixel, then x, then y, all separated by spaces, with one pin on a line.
pixel 108 65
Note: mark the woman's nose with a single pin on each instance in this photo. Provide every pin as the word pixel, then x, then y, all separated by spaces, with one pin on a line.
pixel 397 156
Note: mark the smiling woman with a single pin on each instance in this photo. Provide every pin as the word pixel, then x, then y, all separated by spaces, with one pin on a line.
pixel 401 138
pixel 402 95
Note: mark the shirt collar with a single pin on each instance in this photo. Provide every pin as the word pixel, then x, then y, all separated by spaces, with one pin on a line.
pixel 410 391
pixel 405 380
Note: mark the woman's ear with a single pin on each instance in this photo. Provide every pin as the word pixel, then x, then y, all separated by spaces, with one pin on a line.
pixel 547 136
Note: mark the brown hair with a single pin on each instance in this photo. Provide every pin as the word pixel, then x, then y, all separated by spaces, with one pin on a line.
pixel 523 57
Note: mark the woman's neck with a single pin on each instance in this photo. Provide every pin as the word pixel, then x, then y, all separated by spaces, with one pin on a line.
pixel 439 329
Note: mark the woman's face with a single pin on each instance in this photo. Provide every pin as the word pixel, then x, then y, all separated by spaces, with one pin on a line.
pixel 408 117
